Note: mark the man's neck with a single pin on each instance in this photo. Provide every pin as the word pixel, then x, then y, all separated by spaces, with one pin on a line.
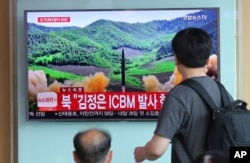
pixel 193 72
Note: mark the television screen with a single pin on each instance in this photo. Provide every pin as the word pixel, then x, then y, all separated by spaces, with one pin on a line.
pixel 112 64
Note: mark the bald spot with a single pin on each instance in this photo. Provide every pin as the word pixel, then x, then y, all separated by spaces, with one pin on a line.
pixel 92 137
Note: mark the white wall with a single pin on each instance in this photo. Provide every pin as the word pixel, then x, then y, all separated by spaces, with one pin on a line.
pixel 51 142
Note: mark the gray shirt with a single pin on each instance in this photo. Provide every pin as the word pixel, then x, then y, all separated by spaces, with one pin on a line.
pixel 185 116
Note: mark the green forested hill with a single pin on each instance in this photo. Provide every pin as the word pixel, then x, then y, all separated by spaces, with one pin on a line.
pixel 80 51
pixel 97 43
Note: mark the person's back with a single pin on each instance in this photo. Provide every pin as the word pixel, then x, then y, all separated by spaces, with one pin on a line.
pixel 190 119
pixel 185 118
pixel 92 146
pixel 184 114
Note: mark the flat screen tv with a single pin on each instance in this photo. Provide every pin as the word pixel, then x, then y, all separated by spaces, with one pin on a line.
pixel 107 64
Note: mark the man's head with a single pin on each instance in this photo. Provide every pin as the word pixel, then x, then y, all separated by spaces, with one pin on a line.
pixel 92 146
pixel 192 47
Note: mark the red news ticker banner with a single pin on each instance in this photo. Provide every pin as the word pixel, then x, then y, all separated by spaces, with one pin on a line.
pixel 75 99
pixel 58 19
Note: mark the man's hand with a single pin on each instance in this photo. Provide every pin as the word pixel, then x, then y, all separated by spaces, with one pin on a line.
pixel 152 150
pixel 139 154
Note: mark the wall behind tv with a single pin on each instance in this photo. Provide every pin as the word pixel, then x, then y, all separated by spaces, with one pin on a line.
pixel 51 142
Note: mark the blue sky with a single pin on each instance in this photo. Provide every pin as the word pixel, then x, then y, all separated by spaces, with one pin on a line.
pixel 84 18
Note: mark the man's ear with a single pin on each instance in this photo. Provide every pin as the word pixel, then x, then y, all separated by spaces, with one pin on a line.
pixel 75 157
pixel 109 157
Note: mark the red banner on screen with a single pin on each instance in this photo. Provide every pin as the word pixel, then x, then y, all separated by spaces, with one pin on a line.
pixel 110 101
pixel 53 19
pixel 75 99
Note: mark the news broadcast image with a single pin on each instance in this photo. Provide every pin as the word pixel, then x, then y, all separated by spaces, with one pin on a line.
pixel 107 64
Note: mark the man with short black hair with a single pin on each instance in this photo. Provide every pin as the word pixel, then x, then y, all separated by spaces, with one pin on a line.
pixel 92 146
